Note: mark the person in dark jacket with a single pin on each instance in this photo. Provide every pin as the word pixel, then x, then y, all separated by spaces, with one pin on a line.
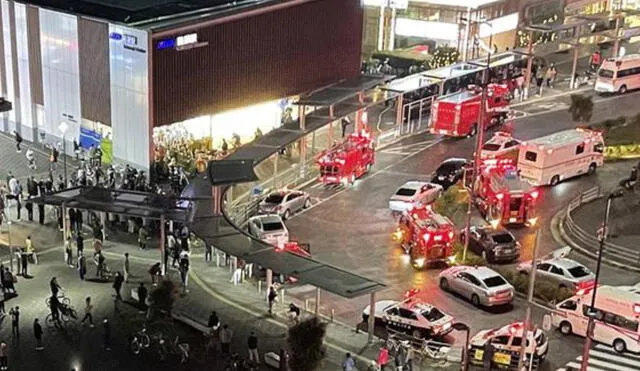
pixel 487 356
pixel 29 206
pixel 117 285
pixel 72 219
pixel 18 141
pixel 41 213
pixel 37 333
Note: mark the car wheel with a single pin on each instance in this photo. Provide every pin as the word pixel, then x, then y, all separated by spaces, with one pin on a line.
pixel 417 334
pixel 592 169
pixel 286 214
pixel 307 203
pixel 444 284
pixel 623 89
pixel 365 318
pixel 554 180
pixel 475 300
pixel 619 346
pixel 352 179
pixel 565 328
pixel 486 257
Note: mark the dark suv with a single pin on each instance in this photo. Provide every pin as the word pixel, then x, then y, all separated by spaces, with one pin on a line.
pixel 451 171
pixel 493 245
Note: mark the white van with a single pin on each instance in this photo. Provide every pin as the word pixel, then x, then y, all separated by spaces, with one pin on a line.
pixel 618 75
pixel 559 156
pixel 617 315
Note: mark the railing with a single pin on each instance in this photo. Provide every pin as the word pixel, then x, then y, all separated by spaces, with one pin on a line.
pixel 589 241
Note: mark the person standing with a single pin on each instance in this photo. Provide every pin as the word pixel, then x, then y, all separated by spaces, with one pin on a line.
pixel 208 252
pixel 142 237
pixel 79 220
pixel 30 250
pixel 142 296
pixel 54 286
pixel 154 272
pixel 41 214
pixel 18 141
pixel 349 363
pixel 72 219
pixel 107 333
pixel 3 312
pixel 184 270
pixel 125 267
pixel 15 322
pixel 37 333
pixel 24 259
pixel 88 311
pixel 4 357
pixel 29 206
pixel 252 342
pixel 383 357
pixel 272 295
pixel 9 281
pixel 225 339
pixel 171 246
pixel 68 253
pixel 82 265
pixel 487 356
pixel 117 285
pixel 79 243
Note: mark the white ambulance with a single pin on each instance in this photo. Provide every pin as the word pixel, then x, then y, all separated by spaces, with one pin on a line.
pixel 619 75
pixel 616 314
pixel 559 156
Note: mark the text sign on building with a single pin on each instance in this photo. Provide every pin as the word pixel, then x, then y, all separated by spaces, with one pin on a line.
pixel 183 42
pixel 129 42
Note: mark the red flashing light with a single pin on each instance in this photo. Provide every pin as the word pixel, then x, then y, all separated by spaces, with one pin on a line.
pixel 409 294
pixel 535 194
pixel 427 237
pixel 499 196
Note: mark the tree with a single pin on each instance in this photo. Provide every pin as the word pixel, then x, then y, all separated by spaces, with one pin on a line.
pixel 306 344
pixel 444 56
pixel 581 108
pixel 163 297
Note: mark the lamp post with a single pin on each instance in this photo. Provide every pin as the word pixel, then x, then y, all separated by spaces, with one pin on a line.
pixel 459 326
pixel 527 316
pixel 480 139
pixel 592 312
pixel 63 129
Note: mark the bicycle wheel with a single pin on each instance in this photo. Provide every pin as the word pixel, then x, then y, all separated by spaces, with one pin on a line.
pixel 135 345
pixel 64 300
pixel 47 301
pixel 145 342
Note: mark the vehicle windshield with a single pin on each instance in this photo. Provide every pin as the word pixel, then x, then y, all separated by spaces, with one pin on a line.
pixel 502 238
pixel 432 315
pixel 274 198
pixel 448 168
pixel 491 147
pixel 406 192
pixel 494 281
pixel 579 271
pixel 272 226
pixel 607 74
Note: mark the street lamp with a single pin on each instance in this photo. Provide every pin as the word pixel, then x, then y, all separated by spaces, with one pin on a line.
pixel 63 129
pixel 459 326
pixel 592 312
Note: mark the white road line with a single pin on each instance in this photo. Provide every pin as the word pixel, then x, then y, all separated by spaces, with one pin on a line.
pixel 576 365
pixel 399 173
pixel 614 357
pixel 606 364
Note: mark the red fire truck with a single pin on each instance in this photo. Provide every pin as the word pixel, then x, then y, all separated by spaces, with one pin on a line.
pixel 457 114
pixel 502 197
pixel 426 236
pixel 347 161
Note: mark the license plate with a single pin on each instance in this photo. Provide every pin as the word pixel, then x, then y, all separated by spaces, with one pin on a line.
pixel 502 358
pixel 512 220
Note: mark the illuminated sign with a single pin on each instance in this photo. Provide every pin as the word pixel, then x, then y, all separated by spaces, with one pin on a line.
pixel 183 42
pixel 130 42
pixel 188 39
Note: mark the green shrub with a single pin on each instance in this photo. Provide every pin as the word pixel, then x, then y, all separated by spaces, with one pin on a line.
pixel 472 259
pixel 453 204
pixel 545 289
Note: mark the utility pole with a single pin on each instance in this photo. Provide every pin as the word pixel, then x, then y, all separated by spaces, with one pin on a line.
pixel 616 42
pixel 527 80
pixel 527 316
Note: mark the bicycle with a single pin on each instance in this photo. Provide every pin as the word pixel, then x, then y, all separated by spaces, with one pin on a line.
pixel 140 341
pixel 433 350
pixel 62 299
pixel 173 348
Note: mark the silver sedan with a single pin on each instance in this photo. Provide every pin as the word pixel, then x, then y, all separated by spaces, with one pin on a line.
pixel 481 285
pixel 284 203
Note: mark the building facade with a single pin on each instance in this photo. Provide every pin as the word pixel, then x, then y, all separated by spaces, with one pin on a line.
pixel 113 75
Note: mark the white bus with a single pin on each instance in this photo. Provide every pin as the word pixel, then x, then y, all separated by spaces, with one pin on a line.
pixel 617 314
pixel 618 75
pixel 559 156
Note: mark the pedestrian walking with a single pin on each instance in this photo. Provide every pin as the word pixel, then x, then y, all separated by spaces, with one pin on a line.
pixel 208 252
pixel 225 339
pixel 4 357
pixel 272 295
pixel 252 343
pixel 184 271
pixel 82 265
pixel 487 356
pixel 117 285
pixel 54 286
pixel 142 296
pixel 143 235
pixel 88 311
pixel 37 333
pixel 126 267
pixel 349 363
pixel 15 322
pixel 107 333
pixel 154 272
pixel 24 259
pixel 18 141
pixel 68 253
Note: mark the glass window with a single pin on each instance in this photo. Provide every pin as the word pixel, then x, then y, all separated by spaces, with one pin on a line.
pixel 598 147
pixel 607 74
pixel 393 311
pixel 556 270
pixel 408 192
pixel 494 281
pixel 274 198
pixel 517 341
pixel 569 305
pixel 501 340
pixel 544 266
pixel 272 226
pixel 621 322
pixel 511 143
pixel 433 315
pixel 580 148
pixel 579 271
pixel 491 147
pixel 531 156
pixel 502 238
pixel 586 309
pixel 293 196
pixel 405 313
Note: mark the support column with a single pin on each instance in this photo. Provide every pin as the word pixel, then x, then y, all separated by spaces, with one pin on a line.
pixel 467 32
pixel 372 317
pixel 269 278
pixel 574 66
pixel 162 245
pixel 332 117
pixel 527 79
pixel 65 222
pixel 317 308
pixel 103 223
pixel 381 24
pixel 275 171
pixel 616 43
pixel 216 193
pixel 359 124
pixel 302 144
pixel 313 143
pixel 392 29
pixel 399 110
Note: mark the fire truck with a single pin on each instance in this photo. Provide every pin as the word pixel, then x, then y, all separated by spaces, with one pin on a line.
pixel 426 236
pixel 457 114
pixel 502 197
pixel 347 161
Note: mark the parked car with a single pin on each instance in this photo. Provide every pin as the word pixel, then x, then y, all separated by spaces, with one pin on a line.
pixel 481 285
pixel 270 228
pixel 451 171
pixel 414 193
pixel 566 272
pixel 284 203
pixel 494 245
pixel 507 345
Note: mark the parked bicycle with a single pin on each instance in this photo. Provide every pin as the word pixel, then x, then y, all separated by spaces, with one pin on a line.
pixel 140 341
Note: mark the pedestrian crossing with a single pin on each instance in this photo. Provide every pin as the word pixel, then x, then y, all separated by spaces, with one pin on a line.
pixel 604 358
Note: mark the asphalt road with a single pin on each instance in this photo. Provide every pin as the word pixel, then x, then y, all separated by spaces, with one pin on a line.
pixel 352 227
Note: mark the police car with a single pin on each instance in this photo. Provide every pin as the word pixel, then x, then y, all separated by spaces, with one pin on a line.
pixel 501 145
pixel 507 344
pixel 419 319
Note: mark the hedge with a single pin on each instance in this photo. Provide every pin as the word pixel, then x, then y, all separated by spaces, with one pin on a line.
pixel 545 289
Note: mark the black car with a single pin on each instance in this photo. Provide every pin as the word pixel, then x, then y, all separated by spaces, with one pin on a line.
pixel 451 171
pixel 493 245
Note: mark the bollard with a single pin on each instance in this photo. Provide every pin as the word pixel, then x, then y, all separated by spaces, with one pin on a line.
pixel 242 276
pixel 260 286
pixel 332 314
pixel 306 305
pixel 282 295
pixel 217 259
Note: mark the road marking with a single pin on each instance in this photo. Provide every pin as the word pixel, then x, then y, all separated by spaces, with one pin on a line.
pixel 604 358
pixel 398 153
pixel 399 173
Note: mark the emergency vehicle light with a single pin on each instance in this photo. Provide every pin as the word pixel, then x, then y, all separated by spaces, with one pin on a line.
pixel 419 262
pixel 411 293
pixel 534 194
pixel 636 308
pixel 450 235
pixel 437 238
pixel 499 196
pixel 426 237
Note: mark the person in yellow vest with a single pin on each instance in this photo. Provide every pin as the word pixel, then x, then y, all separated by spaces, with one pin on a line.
pixel 28 245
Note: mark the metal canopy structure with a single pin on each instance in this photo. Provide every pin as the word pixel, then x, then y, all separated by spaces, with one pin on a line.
pixel 341 91
pixel 131 203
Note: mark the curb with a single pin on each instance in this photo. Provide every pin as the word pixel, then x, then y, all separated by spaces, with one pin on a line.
pixel 565 238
